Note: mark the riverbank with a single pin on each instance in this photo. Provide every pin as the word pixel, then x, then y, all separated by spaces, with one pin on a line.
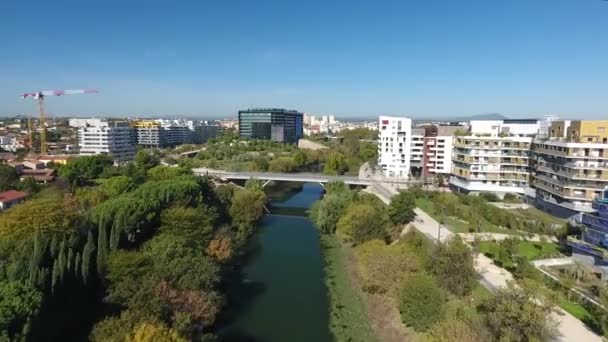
pixel 348 319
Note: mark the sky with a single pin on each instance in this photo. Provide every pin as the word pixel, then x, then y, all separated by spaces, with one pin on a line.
pixel 419 58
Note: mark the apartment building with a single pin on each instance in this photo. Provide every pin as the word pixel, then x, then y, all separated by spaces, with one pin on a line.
pixel 161 133
pixel 494 157
pixel 394 146
pixel 113 138
pixel 570 166
pixel 431 150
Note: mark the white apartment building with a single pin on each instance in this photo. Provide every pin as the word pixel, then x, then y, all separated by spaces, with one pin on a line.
pixel 98 136
pixel 494 157
pixel 394 146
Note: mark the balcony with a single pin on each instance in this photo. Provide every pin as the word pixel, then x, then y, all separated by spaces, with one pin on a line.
pixel 595 222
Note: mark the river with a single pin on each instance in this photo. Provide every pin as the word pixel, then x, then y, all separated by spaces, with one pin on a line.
pixel 282 295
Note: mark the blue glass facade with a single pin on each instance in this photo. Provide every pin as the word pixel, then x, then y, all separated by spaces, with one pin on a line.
pixel 594 229
pixel 271 123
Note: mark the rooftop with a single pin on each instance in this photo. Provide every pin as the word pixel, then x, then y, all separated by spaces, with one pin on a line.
pixel 12 195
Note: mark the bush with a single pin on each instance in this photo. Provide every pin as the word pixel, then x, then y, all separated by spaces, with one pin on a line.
pixel 489 196
pixel 421 302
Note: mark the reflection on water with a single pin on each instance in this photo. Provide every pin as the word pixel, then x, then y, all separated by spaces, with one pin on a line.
pixel 282 296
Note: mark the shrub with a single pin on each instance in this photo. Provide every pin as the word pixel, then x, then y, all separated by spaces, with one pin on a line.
pixel 421 302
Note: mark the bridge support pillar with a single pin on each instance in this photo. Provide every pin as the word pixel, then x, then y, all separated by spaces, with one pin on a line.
pixel 322 185
pixel 265 183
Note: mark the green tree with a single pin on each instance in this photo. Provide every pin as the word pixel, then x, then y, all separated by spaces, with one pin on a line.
pixel 300 158
pixel 29 185
pixel 87 257
pixel 117 185
pixel 191 223
pixel 161 172
pixel 8 177
pixel 517 314
pixel 247 207
pixel 282 164
pixel 327 212
pixel 335 164
pixel 401 208
pixel 147 332
pixel 362 222
pixel 81 169
pixel 146 159
pixel 18 306
pixel 253 184
pixel 421 302
pixel 452 264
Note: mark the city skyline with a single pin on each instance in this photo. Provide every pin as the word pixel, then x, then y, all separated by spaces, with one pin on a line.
pixel 425 60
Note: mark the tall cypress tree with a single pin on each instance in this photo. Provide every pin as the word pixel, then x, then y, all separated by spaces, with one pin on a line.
pixel 87 257
pixel 55 277
pixel 102 249
pixel 54 247
pixel 70 259
pixel 61 260
pixel 77 266
pixel 36 259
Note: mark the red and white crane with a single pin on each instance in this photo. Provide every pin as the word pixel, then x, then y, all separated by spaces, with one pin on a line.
pixel 40 95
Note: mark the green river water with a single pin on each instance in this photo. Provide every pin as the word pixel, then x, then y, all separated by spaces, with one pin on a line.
pixel 282 295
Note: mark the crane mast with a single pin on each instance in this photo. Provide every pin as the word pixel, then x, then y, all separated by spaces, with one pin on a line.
pixel 39 96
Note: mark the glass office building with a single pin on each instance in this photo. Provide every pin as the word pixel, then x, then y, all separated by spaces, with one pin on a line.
pixel 276 124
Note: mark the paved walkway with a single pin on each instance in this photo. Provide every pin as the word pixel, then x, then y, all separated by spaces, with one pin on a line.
pixel 494 277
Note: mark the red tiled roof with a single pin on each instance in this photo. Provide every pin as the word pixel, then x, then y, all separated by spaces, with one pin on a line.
pixel 12 195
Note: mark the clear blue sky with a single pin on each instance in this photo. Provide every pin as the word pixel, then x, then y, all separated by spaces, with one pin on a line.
pixel 421 58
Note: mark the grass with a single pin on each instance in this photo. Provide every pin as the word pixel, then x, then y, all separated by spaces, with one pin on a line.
pixel 456 225
pixel 528 249
pixel 575 310
pixel 347 314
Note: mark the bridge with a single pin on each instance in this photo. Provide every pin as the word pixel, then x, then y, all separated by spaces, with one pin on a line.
pixel 296 177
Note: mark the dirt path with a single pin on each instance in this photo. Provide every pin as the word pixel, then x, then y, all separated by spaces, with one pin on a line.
pixel 382 312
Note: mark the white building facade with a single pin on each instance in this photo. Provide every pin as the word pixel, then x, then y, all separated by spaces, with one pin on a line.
pixel 394 146
pixel 494 157
pixel 115 139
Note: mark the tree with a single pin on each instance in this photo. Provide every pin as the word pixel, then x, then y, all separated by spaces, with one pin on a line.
pixel 361 223
pixel 452 264
pixel 146 159
pixel 247 207
pixel 300 158
pixel 253 184
pixel 454 330
pixel 79 170
pixel 8 177
pixel 147 332
pixel 421 302
pixel 161 172
pixel 117 185
pixel 517 314
pixel 192 223
pixel 87 257
pixel 335 164
pixel 29 185
pixel 401 208
pixel 18 306
pixel 327 212
pixel 282 164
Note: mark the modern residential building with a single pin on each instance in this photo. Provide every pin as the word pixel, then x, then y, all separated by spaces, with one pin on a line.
pixel 202 133
pixel 271 123
pixel 570 166
pixel 437 152
pixel 10 198
pixel 417 152
pixel 592 248
pixel 113 138
pixel 161 133
pixel 494 157
pixel 394 146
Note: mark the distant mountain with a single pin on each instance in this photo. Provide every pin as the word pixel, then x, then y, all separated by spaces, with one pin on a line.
pixel 489 116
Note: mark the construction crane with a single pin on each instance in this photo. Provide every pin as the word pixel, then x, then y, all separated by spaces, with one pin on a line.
pixel 40 95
